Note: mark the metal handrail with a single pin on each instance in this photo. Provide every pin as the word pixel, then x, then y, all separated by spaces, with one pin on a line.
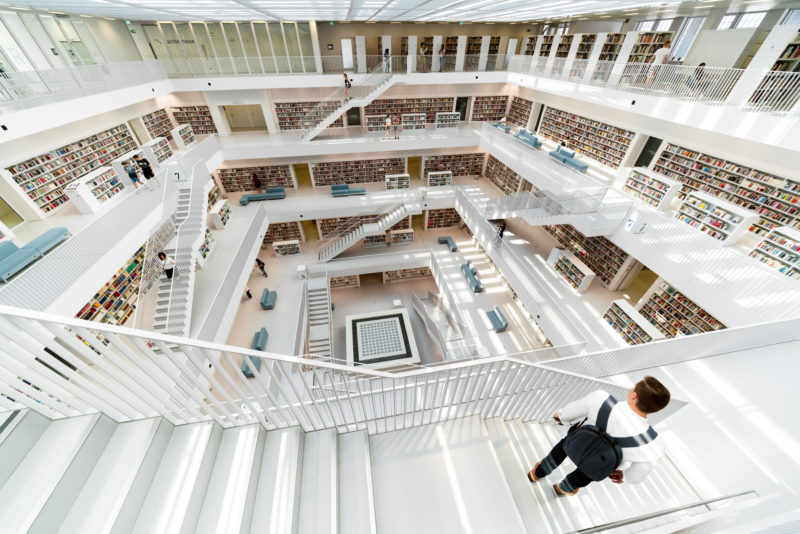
pixel 352 224
pixel 660 513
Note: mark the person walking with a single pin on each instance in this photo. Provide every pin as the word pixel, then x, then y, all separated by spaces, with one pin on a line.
pixel 422 52
pixel 247 292
pixel 502 229
pixel 695 81
pixel 256 183
pixel 612 440
pixel 261 265
pixel 167 264
pixel 387 123
pixel 130 167
pixel 658 59
pixel 144 165
pixel 441 57
pixel 387 61
pixel 347 86
pixel 396 125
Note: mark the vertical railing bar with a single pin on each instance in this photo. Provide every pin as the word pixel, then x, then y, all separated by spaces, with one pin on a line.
pixel 321 390
pixel 285 371
pixel 253 393
pixel 197 361
pixel 308 389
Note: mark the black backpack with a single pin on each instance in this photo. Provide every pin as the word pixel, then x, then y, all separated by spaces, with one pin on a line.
pixel 596 453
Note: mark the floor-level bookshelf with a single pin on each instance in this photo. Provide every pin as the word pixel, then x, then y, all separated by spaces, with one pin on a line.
pixel 631 325
pixel 285 231
pixel 459 164
pixel 489 108
pixel 520 111
pixel 199 117
pixel 441 218
pixel 715 217
pixel 673 313
pixel 355 171
pixel 241 178
pixel 116 301
pixel 651 187
pixel 573 271
pixel 780 250
pixel 406 274
pixel 158 124
pixel 302 115
pixel 504 178
pixel 429 106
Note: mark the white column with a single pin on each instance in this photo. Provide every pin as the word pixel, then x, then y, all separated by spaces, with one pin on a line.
pixel 594 57
pixel 460 52
pixel 536 49
pixel 347 54
pixel 552 56
pixel 622 58
pixel 386 42
pixel 412 54
pixel 437 44
pixel 220 120
pixel 484 53
pixel 361 53
pixel 312 26
pixel 573 50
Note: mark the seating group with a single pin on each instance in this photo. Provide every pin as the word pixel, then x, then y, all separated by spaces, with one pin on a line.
pixel 498 321
pixel 567 157
pixel 447 240
pixel 270 193
pixel 259 343
pixel 344 190
pixel 268 299
pixel 502 126
pixel 13 259
pixel 528 138
pixel 470 273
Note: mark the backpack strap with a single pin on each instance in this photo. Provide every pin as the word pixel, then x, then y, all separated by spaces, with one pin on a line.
pixel 632 441
pixel 604 412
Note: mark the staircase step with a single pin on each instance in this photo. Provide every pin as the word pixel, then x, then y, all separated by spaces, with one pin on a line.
pixel 26 431
pixel 319 484
pixel 357 501
pixel 278 490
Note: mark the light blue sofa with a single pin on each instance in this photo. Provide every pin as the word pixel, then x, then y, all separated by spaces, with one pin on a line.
pixel 528 138
pixel 259 343
pixel 472 280
pixel 447 240
pixel 502 126
pixel 344 190
pixel 270 193
pixel 498 321
pixel 567 157
pixel 268 299
pixel 13 259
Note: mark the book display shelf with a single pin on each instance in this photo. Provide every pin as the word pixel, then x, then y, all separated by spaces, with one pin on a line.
pixel 115 302
pixel 205 248
pixel 157 151
pixel 600 141
pixel 777 86
pixel 646 45
pixel 776 200
pixel 520 111
pixel 290 114
pixel 459 164
pixel 442 218
pixel 355 172
pixel 429 106
pixel 335 225
pixel 183 136
pixel 375 241
pixel 404 46
pixel 651 187
pixel 547 45
pixel 780 249
pixel 198 117
pixel 286 248
pixel 474 45
pixel 439 178
pixel 585 45
pixel 611 47
pixel 399 238
pixel 530 48
pixel 631 325
pixel 158 124
pixel 406 274
pixel 504 178
pixel 398 181
pixel 220 214
pixel 44 177
pixel 413 121
pixel 376 123
pixel 448 119
pixel 350 280
pixel 564 44
pixel 90 191
pixel 674 314
pixel 213 196
pixel 714 217
pixel 572 270
pixel 489 108
pixel 241 178
pixel 284 232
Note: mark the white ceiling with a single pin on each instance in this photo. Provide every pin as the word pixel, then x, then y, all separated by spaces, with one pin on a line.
pixel 336 10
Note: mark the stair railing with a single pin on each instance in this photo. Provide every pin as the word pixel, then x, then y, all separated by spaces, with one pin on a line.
pixel 352 224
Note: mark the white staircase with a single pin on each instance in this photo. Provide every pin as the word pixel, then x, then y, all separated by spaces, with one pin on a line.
pixel 318 302
pixel 90 475
pixel 173 311
pixel 354 230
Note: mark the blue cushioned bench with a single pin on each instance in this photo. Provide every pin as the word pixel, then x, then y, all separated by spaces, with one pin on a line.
pixel 270 193
pixel 528 138
pixel 344 190
pixel 472 280
pixel 567 157
pixel 502 126
pixel 13 259
pixel 259 343
pixel 498 321
pixel 471 267
pixel 268 299
pixel 447 240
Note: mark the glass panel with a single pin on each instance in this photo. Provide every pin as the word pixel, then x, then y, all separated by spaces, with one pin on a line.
pixel 249 44
pixel 64 48
pixel 792 17
pixel 37 31
pixel 191 53
pixel 663 25
pixel 86 40
pixel 174 46
pixel 750 20
pixel 306 46
pixel 75 41
pixel 25 41
pixel 293 45
pixel 278 48
pixel 16 59
pixel 235 46
pixel 645 25
pixel 686 36
pixel 218 42
pixel 264 46
pixel 156 41
pixel 726 22
pixel 203 45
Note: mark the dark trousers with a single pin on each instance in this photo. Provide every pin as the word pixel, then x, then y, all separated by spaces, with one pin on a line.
pixel 168 272
pixel 576 479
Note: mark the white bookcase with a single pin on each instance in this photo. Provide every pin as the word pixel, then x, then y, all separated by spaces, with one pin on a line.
pixel 439 178
pixel 651 187
pixel 205 248
pixel 91 190
pixel 631 325
pixel 398 181
pixel 157 151
pixel 286 248
pixel 401 237
pixel 572 270
pixel 448 119
pixel 375 241
pixel 220 214
pixel 716 218
pixel 780 249
pixel 376 123
pixel 183 136
pixel 118 165
pixel 413 121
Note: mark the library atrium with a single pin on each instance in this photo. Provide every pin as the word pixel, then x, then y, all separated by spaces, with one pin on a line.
pixel 474 213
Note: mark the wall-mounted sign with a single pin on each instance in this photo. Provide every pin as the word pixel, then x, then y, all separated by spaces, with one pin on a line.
pixel 133 31
pixel 330 47
pixel 54 51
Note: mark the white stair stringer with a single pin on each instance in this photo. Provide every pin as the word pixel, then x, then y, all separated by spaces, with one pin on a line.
pixel 319 316
pixel 391 217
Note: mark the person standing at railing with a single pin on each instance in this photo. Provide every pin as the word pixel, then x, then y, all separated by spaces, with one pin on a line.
pixel 422 67
pixel 387 123
pixel 695 81
pixel 611 440
pixel 441 57
pixel 347 86
pixel 657 60
pixel 387 61
pixel 256 183
pixel 396 125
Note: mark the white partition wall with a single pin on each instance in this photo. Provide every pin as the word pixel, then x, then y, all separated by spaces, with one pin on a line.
pixel 597 49
pixel 386 43
pixel 510 51
pixel 412 53
pixel 437 44
pixel 461 51
pixel 361 53
pixel 552 56
pixel 347 54
pixel 484 53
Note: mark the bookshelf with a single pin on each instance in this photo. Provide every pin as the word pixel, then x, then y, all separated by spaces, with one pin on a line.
pixel 404 46
pixel 355 172
pixel 780 249
pixel 220 214
pixel 115 302
pixel 157 151
pixel 398 181
pixel 714 217
pixel 600 141
pixel 441 218
pixel 448 119
pixel 350 280
pixel 183 136
pixel 774 199
pixel 439 178
pixel 376 123
pixel 631 325
pixel 611 47
pixel 530 48
pixel 585 45
pixel 520 111
pixel 198 117
pixel 547 45
pixel 646 45
pixel 158 124
pixel 776 86
pixel 406 274
pixel 474 45
pixel 90 191
pixel 328 227
pixel 241 178
pixel 413 121
pixel 504 178
pixel 613 266
pixel 460 164
pixel 399 238
pixel 290 114
pixel 44 177
pixel 213 195
pixel 564 44
pixel 651 187
pixel 285 231
pixel 573 271
pixel 429 106
pixel 158 240
pixel 489 108
pixel 673 314
pixel 375 241
pixel 286 248
pixel 205 248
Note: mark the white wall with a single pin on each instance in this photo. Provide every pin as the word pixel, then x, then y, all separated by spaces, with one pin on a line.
pixel 115 42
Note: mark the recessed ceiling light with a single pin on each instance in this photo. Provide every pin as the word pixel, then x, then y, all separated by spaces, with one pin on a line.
pixel 109 18
pixel 22 8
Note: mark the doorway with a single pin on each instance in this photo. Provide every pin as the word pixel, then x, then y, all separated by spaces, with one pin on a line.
pixel 462 102
pixel 246 118
pixel 415 167
pixel 8 216
pixel 354 117
pixel 137 127
pixel 648 152
pixel 303 175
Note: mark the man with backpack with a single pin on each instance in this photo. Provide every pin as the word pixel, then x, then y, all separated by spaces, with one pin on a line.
pixel 612 439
